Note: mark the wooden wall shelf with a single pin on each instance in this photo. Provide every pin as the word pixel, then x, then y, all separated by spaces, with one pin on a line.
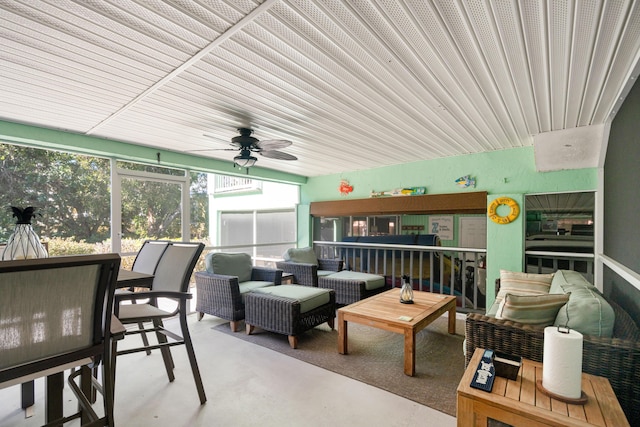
pixel 473 202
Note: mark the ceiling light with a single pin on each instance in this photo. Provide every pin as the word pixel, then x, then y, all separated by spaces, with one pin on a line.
pixel 245 160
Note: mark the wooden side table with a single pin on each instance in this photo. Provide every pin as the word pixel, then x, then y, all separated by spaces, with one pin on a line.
pixel 519 403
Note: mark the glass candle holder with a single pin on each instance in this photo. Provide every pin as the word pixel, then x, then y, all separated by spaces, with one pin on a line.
pixel 406 292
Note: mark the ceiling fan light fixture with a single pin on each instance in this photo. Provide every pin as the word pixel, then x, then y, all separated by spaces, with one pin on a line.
pixel 245 161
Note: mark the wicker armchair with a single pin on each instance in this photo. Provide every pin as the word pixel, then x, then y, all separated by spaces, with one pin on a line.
pixel 307 274
pixel 617 358
pixel 221 295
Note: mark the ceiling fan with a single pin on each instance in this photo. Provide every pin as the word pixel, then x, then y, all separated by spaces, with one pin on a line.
pixel 248 144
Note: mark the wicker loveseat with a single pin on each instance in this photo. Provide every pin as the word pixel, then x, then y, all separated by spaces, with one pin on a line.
pixel 616 358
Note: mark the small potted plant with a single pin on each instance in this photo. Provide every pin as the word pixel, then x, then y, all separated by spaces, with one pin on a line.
pixel 24 243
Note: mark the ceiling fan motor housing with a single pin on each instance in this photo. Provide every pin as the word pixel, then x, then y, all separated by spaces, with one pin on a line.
pixel 245 140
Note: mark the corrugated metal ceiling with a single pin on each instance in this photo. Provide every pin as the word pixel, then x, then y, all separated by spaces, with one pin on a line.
pixel 354 84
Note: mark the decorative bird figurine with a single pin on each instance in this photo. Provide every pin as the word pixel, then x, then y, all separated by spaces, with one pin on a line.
pixel 466 181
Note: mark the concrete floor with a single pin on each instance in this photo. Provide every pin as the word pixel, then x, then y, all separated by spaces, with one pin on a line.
pixel 246 385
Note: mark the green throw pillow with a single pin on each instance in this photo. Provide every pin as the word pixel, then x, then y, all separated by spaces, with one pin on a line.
pixel 566 280
pixel 532 309
pixel 588 313
pixel 301 255
pixel 230 265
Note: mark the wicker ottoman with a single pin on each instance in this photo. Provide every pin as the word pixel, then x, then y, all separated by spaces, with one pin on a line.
pixel 289 309
pixel 352 286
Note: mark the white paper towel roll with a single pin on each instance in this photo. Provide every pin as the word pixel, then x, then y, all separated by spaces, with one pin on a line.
pixel 562 362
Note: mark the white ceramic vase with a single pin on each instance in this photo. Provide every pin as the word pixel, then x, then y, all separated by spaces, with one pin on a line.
pixel 24 243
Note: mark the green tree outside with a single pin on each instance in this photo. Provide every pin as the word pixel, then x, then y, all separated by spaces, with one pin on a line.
pixel 72 194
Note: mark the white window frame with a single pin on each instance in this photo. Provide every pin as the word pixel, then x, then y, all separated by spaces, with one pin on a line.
pixel 117 174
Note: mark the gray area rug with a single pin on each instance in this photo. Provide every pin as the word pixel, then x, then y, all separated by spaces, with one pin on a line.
pixel 376 357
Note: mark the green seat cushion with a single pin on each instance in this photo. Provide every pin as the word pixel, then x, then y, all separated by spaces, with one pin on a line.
pixel 301 255
pixel 371 281
pixel 239 265
pixel 252 285
pixel 324 273
pixel 309 297
pixel 531 309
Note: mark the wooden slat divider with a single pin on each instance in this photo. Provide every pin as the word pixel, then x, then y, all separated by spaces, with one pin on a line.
pixel 467 202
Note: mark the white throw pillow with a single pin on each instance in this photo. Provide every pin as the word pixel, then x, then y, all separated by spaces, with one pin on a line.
pixel 516 283
pixel 531 309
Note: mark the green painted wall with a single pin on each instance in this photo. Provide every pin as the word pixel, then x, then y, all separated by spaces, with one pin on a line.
pixel 505 171
pixel 510 173
pixel 304 225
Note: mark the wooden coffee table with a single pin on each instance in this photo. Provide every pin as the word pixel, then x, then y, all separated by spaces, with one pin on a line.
pixel 518 402
pixel 383 311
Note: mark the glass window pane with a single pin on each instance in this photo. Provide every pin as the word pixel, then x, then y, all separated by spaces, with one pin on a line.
pixel 236 228
pixel 71 192
pixel 151 210
pixel 199 229
pixel 275 227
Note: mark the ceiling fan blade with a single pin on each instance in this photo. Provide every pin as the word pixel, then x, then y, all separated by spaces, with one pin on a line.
pixel 211 149
pixel 247 144
pixel 279 155
pixel 219 142
pixel 272 144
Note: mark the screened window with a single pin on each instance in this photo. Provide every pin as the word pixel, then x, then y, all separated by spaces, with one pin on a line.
pixel 267 234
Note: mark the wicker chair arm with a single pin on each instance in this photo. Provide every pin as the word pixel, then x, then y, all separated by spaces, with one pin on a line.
pixel 330 264
pixel 303 274
pixel 267 274
pixel 219 295
pixel 503 336
pixel 218 283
